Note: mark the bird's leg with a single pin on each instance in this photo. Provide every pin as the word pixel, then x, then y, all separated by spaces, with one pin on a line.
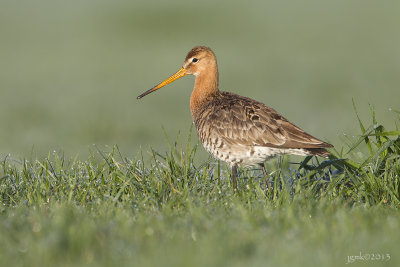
pixel 265 175
pixel 234 174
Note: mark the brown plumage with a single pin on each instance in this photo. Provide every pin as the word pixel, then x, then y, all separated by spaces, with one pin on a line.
pixel 237 129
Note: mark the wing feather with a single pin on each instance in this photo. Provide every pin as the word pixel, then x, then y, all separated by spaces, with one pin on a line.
pixel 241 120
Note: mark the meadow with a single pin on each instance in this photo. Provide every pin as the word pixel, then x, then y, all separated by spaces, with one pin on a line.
pixel 89 176
pixel 112 210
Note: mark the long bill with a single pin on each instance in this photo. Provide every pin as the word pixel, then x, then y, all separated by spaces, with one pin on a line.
pixel 179 74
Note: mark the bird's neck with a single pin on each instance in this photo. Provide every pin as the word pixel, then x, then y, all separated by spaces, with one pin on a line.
pixel 205 85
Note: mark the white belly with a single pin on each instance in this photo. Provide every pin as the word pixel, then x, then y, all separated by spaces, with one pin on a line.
pixel 249 155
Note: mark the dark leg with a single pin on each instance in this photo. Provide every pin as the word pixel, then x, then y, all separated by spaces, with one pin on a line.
pixel 265 175
pixel 234 173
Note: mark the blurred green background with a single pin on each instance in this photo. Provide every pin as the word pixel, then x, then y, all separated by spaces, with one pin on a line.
pixel 70 71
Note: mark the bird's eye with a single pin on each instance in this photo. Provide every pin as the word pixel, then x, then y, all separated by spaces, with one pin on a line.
pixel 194 60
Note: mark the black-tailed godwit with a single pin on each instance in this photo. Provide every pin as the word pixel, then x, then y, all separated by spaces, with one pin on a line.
pixel 237 129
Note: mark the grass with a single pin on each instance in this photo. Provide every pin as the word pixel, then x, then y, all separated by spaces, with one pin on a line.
pixel 70 72
pixel 112 210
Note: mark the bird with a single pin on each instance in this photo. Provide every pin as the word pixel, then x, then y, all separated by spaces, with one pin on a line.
pixel 235 129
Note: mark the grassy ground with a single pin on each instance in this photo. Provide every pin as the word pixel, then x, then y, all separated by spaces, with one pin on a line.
pixel 111 210
pixel 70 72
